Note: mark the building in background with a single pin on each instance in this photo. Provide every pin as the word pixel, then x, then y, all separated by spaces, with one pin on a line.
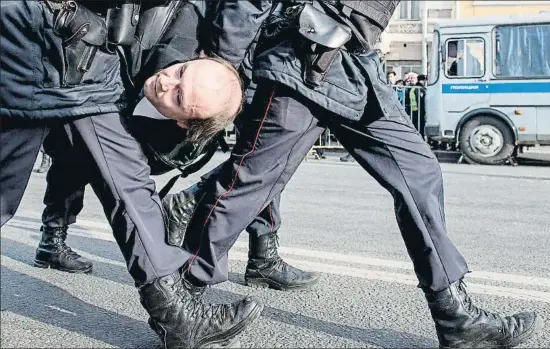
pixel 401 43
pixel 485 8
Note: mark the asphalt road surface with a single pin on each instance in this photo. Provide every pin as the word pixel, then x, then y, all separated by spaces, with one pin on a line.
pixel 336 220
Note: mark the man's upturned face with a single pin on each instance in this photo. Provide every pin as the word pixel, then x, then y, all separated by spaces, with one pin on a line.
pixel 198 89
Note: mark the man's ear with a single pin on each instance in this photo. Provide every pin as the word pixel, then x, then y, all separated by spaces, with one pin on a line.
pixel 183 124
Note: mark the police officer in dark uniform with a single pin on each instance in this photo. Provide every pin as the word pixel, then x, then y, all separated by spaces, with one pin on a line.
pixel 65 190
pixel 61 69
pixel 315 67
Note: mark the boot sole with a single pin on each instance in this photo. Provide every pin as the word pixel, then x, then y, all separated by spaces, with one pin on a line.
pixel 538 324
pixel 268 283
pixel 230 343
pixel 222 340
pixel 46 265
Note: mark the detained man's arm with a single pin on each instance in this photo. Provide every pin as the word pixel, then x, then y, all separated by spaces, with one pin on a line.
pixel 234 28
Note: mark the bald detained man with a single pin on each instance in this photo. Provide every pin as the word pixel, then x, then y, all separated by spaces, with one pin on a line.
pixel 203 95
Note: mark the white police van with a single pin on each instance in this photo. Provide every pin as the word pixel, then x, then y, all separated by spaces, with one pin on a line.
pixel 489 88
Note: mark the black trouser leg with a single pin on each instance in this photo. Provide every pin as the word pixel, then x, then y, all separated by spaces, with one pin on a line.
pixel 20 142
pixel 122 182
pixel 394 153
pixel 276 134
pixel 64 198
pixel 268 220
pixel 66 180
pixel 265 268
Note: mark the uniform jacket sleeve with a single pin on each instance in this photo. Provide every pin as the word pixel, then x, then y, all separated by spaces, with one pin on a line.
pixel 234 27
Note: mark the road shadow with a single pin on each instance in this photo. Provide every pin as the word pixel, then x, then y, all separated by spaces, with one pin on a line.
pixel 383 338
pixel 43 302
pixel 236 278
pixel 379 337
pixel 533 162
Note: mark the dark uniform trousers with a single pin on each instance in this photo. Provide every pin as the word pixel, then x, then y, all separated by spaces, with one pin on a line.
pixel 277 132
pixel 70 173
pixel 106 155
pixel 20 142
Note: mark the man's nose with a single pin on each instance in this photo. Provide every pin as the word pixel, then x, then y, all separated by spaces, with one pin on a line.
pixel 167 83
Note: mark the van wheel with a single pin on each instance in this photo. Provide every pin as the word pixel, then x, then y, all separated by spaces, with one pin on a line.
pixel 486 140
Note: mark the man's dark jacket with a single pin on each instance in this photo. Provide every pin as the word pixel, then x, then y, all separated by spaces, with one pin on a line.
pixel 166 36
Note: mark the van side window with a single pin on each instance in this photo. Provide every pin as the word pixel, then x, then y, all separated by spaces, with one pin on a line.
pixel 522 51
pixel 465 58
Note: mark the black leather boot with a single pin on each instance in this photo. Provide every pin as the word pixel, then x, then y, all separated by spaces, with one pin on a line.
pixel 266 269
pixel 52 252
pixel 45 164
pixel 179 210
pixel 182 321
pixel 460 324
pixel 197 292
pixel 347 158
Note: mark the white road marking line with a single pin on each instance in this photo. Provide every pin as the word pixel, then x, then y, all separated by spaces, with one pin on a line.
pixel 510 292
pixel 80 229
pixel 517 279
pixel 60 310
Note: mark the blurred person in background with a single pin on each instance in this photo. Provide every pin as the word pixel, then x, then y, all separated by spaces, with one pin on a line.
pixel 400 90
pixel 392 77
pixel 419 93
pixel 411 79
pixel 45 163
pixel 323 141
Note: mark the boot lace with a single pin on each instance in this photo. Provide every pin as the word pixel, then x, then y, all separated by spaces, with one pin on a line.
pixel 472 308
pixel 196 291
pixel 275 261
pixel 194 306
pixel 64 249
pixel 68 252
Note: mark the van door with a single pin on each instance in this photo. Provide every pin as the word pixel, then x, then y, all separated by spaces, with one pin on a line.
pixel 464 79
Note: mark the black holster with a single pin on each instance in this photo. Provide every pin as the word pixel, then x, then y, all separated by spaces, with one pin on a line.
pixel 122 20
pixel 324 37
pixel 83 32
pixel 318 60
